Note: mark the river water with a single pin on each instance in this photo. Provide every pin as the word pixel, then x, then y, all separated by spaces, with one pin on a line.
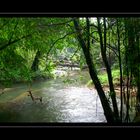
pixel 65 99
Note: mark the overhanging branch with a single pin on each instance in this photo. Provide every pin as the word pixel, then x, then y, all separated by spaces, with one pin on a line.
pixel 58 40
pixel 12 42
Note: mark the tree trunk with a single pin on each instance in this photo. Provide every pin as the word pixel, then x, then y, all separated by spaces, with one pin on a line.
pixel 108 69
pixel 35 64
pixel 120 66
pixel 137 60
pixel 106 107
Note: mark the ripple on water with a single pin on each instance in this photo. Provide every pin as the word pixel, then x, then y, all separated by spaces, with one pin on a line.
pixel 76 104
pixel 63 104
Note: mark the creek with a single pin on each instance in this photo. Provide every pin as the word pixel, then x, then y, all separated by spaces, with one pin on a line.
pixel 64 99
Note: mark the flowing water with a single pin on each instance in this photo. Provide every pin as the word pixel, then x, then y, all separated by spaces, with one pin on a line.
pixel 65 99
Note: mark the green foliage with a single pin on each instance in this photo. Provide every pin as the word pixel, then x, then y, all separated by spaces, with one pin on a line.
pixel 89 83
pixel 55 38
pixel 104 80
pixel 115 74
pixel 16 59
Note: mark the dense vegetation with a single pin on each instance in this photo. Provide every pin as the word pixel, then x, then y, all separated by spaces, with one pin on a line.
pixel 32 48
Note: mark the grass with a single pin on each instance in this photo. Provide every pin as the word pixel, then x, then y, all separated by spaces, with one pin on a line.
pixel 115 74
pixel 104 79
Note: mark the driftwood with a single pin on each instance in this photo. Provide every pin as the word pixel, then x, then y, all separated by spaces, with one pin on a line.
pixel 33 97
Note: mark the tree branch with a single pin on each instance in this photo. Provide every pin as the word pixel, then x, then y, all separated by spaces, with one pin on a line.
pixel 12 42
pixel 58 40
pixel 4 24
pixel 75 52
pixel 13 32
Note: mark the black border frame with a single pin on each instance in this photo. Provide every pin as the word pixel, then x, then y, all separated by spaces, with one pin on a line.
pixel 69 14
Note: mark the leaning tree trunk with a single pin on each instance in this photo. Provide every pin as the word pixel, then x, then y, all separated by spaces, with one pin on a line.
pixel 85 47
pixel 108 69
